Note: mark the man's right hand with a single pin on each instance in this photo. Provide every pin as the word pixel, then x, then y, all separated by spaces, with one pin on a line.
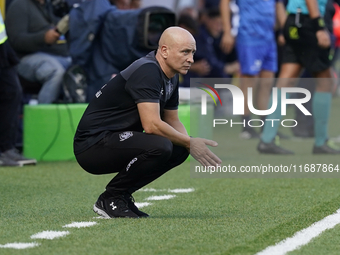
pixel 227 42
pixel 324 40
pixel 201 67
pixel 51 36
pixel 200 152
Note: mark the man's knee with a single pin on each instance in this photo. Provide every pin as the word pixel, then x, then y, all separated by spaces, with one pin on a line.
pixel 158 147
pixel 163 146
pixel 180 154
pixel 40 67
pixel 50 70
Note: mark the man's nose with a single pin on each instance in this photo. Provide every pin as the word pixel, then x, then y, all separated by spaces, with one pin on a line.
pixel 191 59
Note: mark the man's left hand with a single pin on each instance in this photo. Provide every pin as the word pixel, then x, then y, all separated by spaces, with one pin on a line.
pixel 324 39
pixel 200 152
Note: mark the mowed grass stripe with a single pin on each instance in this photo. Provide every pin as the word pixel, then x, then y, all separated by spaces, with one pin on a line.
pixel 222 216
pixel 286 229
pixel 303 236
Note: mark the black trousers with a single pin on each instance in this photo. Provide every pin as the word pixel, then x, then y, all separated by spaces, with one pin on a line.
pixel 138 158
pixel 302 45
pixel 10 103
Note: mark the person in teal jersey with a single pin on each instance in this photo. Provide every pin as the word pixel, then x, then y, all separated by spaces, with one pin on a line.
pixel 307 46
pixel 256 49
pixel 294 5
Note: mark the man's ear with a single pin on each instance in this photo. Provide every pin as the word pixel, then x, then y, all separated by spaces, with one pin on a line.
pixel 164 51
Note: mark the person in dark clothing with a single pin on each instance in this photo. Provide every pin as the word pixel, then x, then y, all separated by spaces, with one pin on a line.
pixel 305 128
pixel 308 45
pixel 217 64
pixel 131 127
pixel 10 102
pixel 43 50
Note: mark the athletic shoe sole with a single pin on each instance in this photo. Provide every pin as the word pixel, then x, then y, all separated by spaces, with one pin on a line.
pixel 271 148
pixel 25 162
pixel 100 212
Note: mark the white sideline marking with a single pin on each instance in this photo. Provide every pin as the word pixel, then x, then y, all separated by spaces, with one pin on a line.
pixel 181 190
pixel 303 237
pixel 50 234
pixel 56 234
pixel 142 204
pixel 164 197
pixel 186 190
pixel 152 190
pixel 19 245
pixel 80 224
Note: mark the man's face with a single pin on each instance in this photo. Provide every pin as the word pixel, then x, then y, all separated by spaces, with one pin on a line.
pixel 181 56
pixel 135 4
pixel 121 4
pixel 214 26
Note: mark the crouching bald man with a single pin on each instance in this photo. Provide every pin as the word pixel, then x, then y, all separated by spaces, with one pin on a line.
pixel 143 97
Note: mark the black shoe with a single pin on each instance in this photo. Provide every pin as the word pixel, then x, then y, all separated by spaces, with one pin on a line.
pixel 113 207
pixel 249 133
pixel 327 148
pixel 302 133
pixel 133 207
pixel 14 155
pixel 272 148
pixel 6 161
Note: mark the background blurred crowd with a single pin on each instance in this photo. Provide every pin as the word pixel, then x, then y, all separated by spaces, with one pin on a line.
pixel 41 56
pixel 201 17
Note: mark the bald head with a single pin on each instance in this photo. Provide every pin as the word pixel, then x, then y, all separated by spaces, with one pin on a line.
pixel 175 36
pixel 176 50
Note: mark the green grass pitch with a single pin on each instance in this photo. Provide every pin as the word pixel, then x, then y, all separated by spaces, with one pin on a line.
pixel 221 216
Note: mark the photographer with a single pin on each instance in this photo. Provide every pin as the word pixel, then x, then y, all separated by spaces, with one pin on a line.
pixel 43 50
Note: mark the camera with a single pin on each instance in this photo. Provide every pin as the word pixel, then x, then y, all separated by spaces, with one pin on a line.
pixel 105 40
pixel 154 21
pixel 60 8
